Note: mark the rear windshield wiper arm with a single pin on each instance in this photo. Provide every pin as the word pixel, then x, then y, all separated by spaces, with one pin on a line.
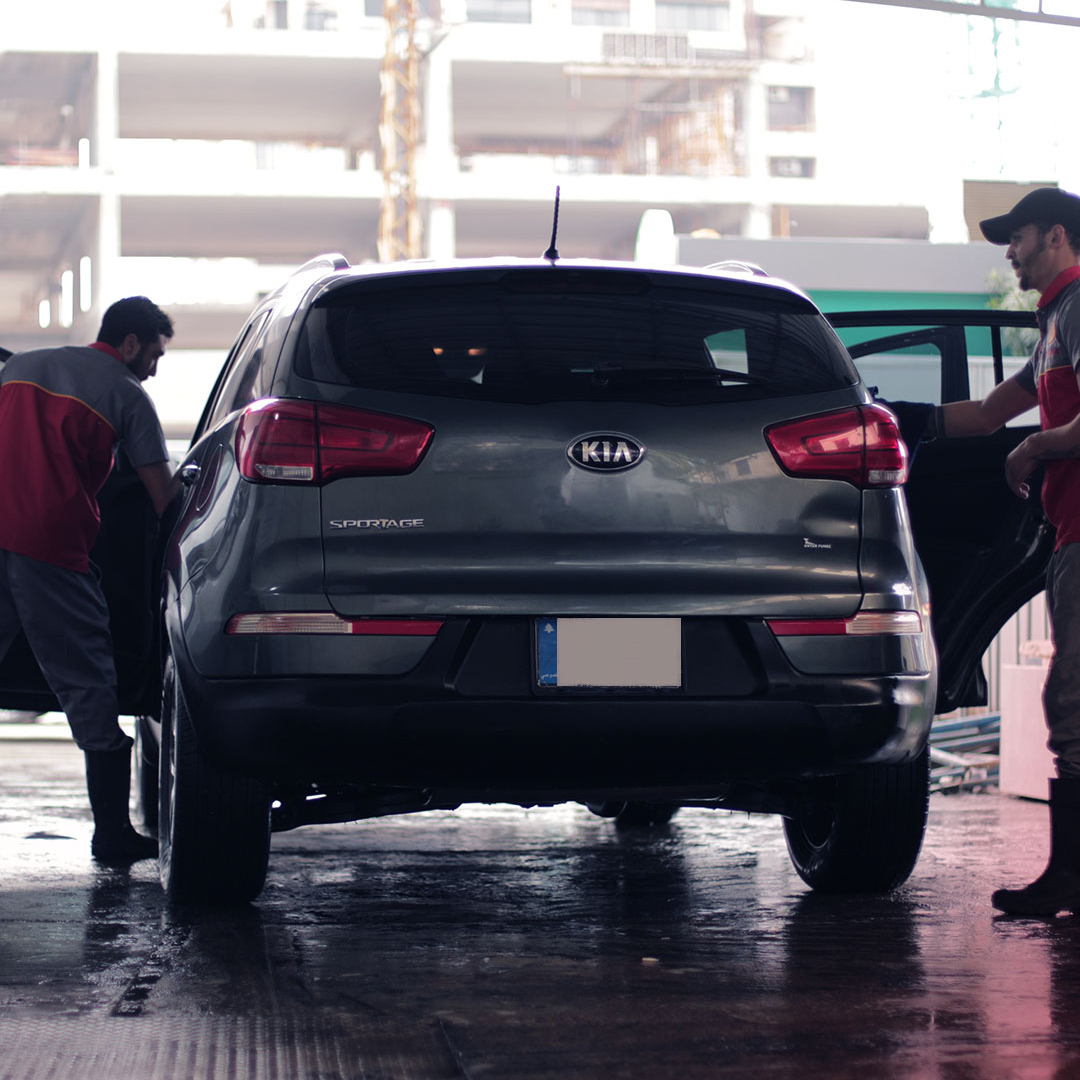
pixel 604 372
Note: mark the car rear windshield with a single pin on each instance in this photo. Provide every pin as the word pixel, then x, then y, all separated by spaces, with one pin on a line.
pixel 542 336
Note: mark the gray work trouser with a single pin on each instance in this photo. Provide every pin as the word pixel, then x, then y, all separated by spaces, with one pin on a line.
pixel 1061 695
pixel 66 621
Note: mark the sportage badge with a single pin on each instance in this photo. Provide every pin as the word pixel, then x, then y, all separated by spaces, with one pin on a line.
pixel 605 451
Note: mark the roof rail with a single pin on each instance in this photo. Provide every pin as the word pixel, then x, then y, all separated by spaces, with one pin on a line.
pixel 739 267
pixel 331 261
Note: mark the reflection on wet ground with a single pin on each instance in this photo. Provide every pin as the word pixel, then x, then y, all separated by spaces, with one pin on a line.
pixel 501 943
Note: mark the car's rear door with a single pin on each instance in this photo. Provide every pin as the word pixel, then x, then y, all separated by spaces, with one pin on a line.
pixel 501 517
pixel 984 550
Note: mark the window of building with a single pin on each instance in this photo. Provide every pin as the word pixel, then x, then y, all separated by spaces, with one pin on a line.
pixel 425 9
pixel 277 14
pixel 501 11
pixel 319 16
pixel 600 12
pixel 693 15
pixel 792 166
pixel 791 108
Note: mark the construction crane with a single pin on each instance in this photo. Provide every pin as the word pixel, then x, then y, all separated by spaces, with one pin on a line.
pixel 400 233
pixel 399 134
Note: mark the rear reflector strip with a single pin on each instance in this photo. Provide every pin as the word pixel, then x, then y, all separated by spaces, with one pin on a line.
pixel 865 622
pixel 313 622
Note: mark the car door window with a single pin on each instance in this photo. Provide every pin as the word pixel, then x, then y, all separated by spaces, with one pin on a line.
pixel 964 357
pixel 902 367
pixel 926 363
pixel 240 383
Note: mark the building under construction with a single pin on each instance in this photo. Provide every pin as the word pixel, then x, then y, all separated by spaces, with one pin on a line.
pixel 189 148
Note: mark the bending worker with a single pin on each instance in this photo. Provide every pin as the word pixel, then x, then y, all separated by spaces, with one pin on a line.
pixel 1042 238
pixel 63 411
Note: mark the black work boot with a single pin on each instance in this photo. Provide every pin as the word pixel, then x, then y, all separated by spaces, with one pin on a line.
pixel 1058 887
pixel 108 783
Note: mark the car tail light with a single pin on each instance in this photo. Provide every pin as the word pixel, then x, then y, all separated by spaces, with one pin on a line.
pixel 863 622
pixel 326 622
pixel 860 445
pixel 282 441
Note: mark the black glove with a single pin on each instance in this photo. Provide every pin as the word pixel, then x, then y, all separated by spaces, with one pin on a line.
pixel 918 421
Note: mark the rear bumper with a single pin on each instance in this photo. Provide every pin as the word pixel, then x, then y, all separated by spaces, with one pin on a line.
pixel 339 729
pixel 470 717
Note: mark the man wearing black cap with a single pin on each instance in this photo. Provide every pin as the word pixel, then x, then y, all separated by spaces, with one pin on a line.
pixel 1042 234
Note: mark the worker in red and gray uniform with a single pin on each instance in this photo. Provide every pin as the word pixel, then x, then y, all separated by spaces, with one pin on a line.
pixel 63 411
pixel 1042 234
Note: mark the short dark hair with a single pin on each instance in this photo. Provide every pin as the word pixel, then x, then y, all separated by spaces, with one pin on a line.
pixel 1071 238
pixel 136 315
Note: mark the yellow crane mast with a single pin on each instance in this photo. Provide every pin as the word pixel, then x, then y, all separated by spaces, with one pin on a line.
pixel 399 134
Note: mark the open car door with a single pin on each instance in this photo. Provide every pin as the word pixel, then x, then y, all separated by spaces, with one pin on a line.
pixel 127 554
pixel 984 550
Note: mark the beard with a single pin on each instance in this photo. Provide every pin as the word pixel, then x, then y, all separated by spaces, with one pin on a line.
pixel 141 365
pixel 1023 269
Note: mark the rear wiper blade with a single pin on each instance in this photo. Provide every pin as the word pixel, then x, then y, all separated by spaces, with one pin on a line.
pixel 616 372
pixel 738 376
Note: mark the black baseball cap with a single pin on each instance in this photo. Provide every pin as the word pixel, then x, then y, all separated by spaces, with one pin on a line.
pixel 1047 204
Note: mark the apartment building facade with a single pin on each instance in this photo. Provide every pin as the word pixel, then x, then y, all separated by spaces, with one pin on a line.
pixel 195 150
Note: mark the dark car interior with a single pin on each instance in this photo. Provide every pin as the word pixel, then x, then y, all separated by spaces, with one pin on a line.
pixel 983 549
pixel 127 556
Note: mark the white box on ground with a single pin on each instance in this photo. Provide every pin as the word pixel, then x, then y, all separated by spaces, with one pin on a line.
pixel 1026 763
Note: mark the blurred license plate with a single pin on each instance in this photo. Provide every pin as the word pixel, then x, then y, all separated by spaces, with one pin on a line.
pixel 642 653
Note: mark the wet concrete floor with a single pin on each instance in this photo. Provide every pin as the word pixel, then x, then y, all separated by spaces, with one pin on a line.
pixel 500 943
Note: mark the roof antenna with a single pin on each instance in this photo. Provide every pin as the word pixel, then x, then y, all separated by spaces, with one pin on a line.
pixel 552 252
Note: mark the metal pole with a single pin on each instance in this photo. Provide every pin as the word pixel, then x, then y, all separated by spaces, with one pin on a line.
pixel 957 7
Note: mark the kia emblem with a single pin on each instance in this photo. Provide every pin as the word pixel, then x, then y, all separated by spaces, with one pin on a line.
pixel 605 451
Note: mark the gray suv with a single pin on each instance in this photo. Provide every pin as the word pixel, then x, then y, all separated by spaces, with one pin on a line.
pixel 547 531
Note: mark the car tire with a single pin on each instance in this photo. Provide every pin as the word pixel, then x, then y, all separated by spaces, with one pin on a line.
pixel 635 815
pixel 868 829
pixel 214 826
pixel 145 759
